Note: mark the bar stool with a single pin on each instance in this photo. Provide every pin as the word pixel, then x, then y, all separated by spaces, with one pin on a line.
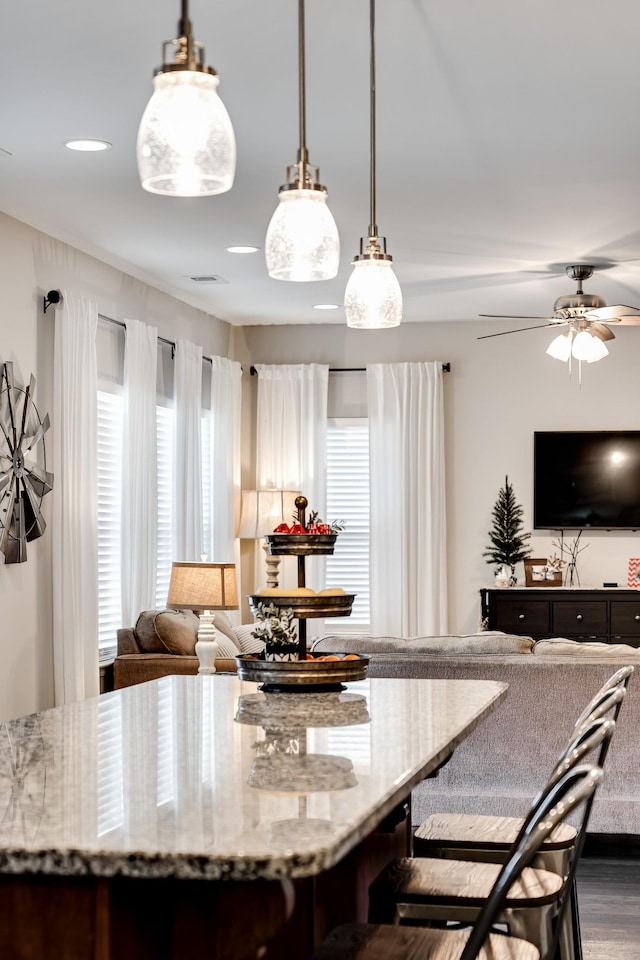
pixel 421 889
pixel 379 942
pixel 488 838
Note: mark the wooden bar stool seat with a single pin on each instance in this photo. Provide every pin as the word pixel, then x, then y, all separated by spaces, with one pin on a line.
pixel 361 941
pixel 480 837
pixel 417 890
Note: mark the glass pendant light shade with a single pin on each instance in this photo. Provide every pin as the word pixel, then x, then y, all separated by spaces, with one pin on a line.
pixel 186 145
pixel 373 298
pixel 302 238
pixel 560 348
pixel 587 347
pixel 598 350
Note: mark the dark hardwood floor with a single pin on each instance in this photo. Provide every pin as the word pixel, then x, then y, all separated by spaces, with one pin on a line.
pixel 609 904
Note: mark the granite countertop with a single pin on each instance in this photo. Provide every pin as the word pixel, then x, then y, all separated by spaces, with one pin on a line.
pixel 206 777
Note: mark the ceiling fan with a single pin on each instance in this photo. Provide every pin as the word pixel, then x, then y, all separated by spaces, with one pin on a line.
pixel 582 313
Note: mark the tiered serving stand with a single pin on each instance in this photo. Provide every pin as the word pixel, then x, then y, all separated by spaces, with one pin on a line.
pixel 303 672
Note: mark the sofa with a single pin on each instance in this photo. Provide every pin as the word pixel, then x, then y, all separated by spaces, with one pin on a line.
pixel 503 763
pixel 162 642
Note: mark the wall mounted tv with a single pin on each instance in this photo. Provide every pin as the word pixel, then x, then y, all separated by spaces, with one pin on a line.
pixel 586 480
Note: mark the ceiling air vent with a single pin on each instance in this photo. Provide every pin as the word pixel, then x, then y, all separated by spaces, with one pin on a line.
pixel 208 278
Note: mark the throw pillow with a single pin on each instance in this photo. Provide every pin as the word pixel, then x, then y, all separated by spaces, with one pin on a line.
pixel 145 633
pixel 178 631
pixel 446 646
pixel 561 647
pixel 246 641
pixel 223 624
pixel 227 649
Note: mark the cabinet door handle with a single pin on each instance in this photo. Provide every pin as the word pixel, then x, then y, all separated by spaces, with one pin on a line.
pixel 579 616
pixel 521 616
pixel 637 616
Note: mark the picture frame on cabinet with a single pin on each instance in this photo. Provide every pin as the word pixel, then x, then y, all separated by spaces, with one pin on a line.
pixel 538 573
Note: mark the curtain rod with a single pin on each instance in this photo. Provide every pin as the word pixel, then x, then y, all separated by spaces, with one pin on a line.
pixel 446 367
pixel 169 343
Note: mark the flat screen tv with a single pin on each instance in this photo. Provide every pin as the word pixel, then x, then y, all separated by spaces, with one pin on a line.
pixel 586 480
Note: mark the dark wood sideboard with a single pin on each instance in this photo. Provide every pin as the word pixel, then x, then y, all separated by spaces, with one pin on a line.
pixel 608 615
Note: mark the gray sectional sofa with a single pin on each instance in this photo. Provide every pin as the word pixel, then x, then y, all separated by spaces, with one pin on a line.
pixel 500 767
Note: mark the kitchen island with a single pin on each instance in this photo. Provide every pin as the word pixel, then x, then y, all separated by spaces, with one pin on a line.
pixel 195 817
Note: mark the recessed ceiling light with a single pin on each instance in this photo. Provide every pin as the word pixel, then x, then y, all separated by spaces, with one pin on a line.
pixel 242 248
pixel 326 306
pixel 87 146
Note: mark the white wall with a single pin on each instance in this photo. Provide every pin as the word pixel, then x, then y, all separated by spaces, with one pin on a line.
pixel 32 264
pixel 498 392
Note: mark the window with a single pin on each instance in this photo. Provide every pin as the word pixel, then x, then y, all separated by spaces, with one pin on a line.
pixel 110 493
pixel 348 499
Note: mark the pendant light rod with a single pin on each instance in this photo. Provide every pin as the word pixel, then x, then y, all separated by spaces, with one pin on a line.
pixel 186 54
pixel 185 23
pixel 303 157
pixel 373 226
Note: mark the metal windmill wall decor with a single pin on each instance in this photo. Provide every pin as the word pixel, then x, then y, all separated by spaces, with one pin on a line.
pixel 24 479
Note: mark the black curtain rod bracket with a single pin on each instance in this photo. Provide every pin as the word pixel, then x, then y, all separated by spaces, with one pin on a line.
pixel 53 297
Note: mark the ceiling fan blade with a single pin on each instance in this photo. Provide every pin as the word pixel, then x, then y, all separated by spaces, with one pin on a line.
pixel 613 313
pixel 503 333
pixel 512 316
pixel 601 331
pixel 632 321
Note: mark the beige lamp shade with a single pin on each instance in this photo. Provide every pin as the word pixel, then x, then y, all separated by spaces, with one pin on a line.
pixel 203 586
pixel 262 510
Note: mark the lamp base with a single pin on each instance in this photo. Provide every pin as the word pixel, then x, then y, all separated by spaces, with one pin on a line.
pixel 207 648
pixel 272 565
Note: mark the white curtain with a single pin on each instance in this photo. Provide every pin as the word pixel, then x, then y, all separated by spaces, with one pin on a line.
pixel 187 496
pixel 292 439
pixel 139 535
pixel 408 523
pixel 75 497
pixel 226 404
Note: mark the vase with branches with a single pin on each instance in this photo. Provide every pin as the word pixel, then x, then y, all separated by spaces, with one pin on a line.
pixel 571 549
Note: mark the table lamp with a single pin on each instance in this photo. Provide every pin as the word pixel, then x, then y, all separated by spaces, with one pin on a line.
pixel 203 588
pixel 261 511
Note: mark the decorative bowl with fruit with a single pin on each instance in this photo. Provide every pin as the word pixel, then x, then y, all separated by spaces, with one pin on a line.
pixel 300 539
pixel 319 672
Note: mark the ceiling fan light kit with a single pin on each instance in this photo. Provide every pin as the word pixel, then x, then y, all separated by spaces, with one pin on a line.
pixel 373 297
pixel 583 314
pixel 186 146
pixel 302 242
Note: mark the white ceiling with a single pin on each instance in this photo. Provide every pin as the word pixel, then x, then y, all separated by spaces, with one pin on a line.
pixel 508 145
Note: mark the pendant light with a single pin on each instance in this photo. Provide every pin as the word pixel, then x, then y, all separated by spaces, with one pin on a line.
pixel 302 238
pixel 373 298
pixel 186 146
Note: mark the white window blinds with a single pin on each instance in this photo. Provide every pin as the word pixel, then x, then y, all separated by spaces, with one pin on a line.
pixel 165 416
pixel 348 500
pixel 109 498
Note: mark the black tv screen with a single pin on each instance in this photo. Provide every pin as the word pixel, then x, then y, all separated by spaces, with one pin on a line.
pixel 587 479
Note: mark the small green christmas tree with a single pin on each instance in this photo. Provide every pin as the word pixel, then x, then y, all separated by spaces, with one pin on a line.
pixel 508 542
